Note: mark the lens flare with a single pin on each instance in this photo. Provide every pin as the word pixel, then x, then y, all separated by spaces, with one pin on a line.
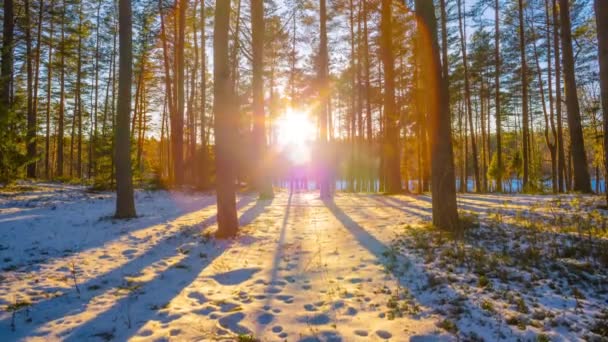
pixel 296 134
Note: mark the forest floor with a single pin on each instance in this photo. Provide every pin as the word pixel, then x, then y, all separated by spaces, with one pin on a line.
pixel 361 267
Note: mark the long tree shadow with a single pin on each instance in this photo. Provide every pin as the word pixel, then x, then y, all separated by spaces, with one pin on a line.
pixel 67 304
pixel 378 249
pixel 276 260
pixel 42 252
pixel 423 213
pixel 164 287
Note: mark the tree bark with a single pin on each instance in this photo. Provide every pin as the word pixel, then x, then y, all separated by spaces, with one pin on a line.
pixel 203 170
pixel 49 83
pixel 391 116
pixel 125 204
pixel 177 124
pixel 263 182
pixel 60 121
pixel 323 79
pixel 524 96
pixel 225 124
pixel 467 94
pixel 497 103
pixel 601 17
pixel 581 177
pixel 6 65
pixel 31 115
pixel 445 214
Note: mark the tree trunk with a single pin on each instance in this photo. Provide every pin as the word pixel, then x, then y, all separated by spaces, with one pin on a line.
pixel 225 124
pixel 125 204
pixel 263 182
pixel 391 116
pixel 368 97
pixel 203 169
pixel 323 80
pixel 601 17
pixel 445 214
pixel 31 114
pixel 467 94
pixel 561 157
pixel 49 83
pixel 177 124
pixel 524 96
pixel 60 121
pixel 582 182
pixel 93 137
pixel 79 93
pixel 497 96
pixel 6 66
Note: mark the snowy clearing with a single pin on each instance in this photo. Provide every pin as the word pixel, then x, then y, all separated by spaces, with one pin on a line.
pixel 361 267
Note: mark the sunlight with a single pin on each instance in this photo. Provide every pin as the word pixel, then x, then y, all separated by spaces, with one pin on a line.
pixel 296 133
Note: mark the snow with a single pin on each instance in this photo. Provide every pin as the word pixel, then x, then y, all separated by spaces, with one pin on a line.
pixel 361 267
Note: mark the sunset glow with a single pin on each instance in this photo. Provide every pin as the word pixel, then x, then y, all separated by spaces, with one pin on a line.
pixel 296 133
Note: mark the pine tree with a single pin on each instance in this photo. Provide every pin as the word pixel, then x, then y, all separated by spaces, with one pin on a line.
pixel 125 204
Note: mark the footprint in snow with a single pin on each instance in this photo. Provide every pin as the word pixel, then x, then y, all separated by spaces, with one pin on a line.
pixel 231 322
pixel 235 277
pixel 384 334
pixel 265 318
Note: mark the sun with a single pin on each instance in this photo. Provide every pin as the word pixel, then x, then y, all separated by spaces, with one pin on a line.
pixel 296 134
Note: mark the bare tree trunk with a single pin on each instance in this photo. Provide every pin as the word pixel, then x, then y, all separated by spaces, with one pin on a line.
pixel 467 91
pixel 37 59
pixel 125 204
pixel 6 66
pixel 225 125
pixel 497 96
pixel 601 17
pixel 582 182
pixel 203 170
pixel 177 124
pixel 93 137
pixel 524 96
pixel 445 214
pixel 78 93
pixel 368 96
pixel 263 182
pixel 391 116
pixel 31 115
pixel 561 157
pixel 192 103
pixel 323 80
pixel 49 83
pixel 60 120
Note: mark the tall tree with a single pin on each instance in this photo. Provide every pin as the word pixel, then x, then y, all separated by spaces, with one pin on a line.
pixel 582 181
pixel 31 114
pixel 6 65
pixel 467 94
pixel 262 180
pixel 497 114
pixel 323 80
pixel 203 169
pixel 391 116
pixel 49 84
pixel 445 213
pixel 177 124
pixel 60 120
pixel 225 124
pixel 125 204
pixel 601 17
pixel 524 95
pixel 561 156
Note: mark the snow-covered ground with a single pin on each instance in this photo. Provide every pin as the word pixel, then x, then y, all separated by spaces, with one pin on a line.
pixel 361 267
